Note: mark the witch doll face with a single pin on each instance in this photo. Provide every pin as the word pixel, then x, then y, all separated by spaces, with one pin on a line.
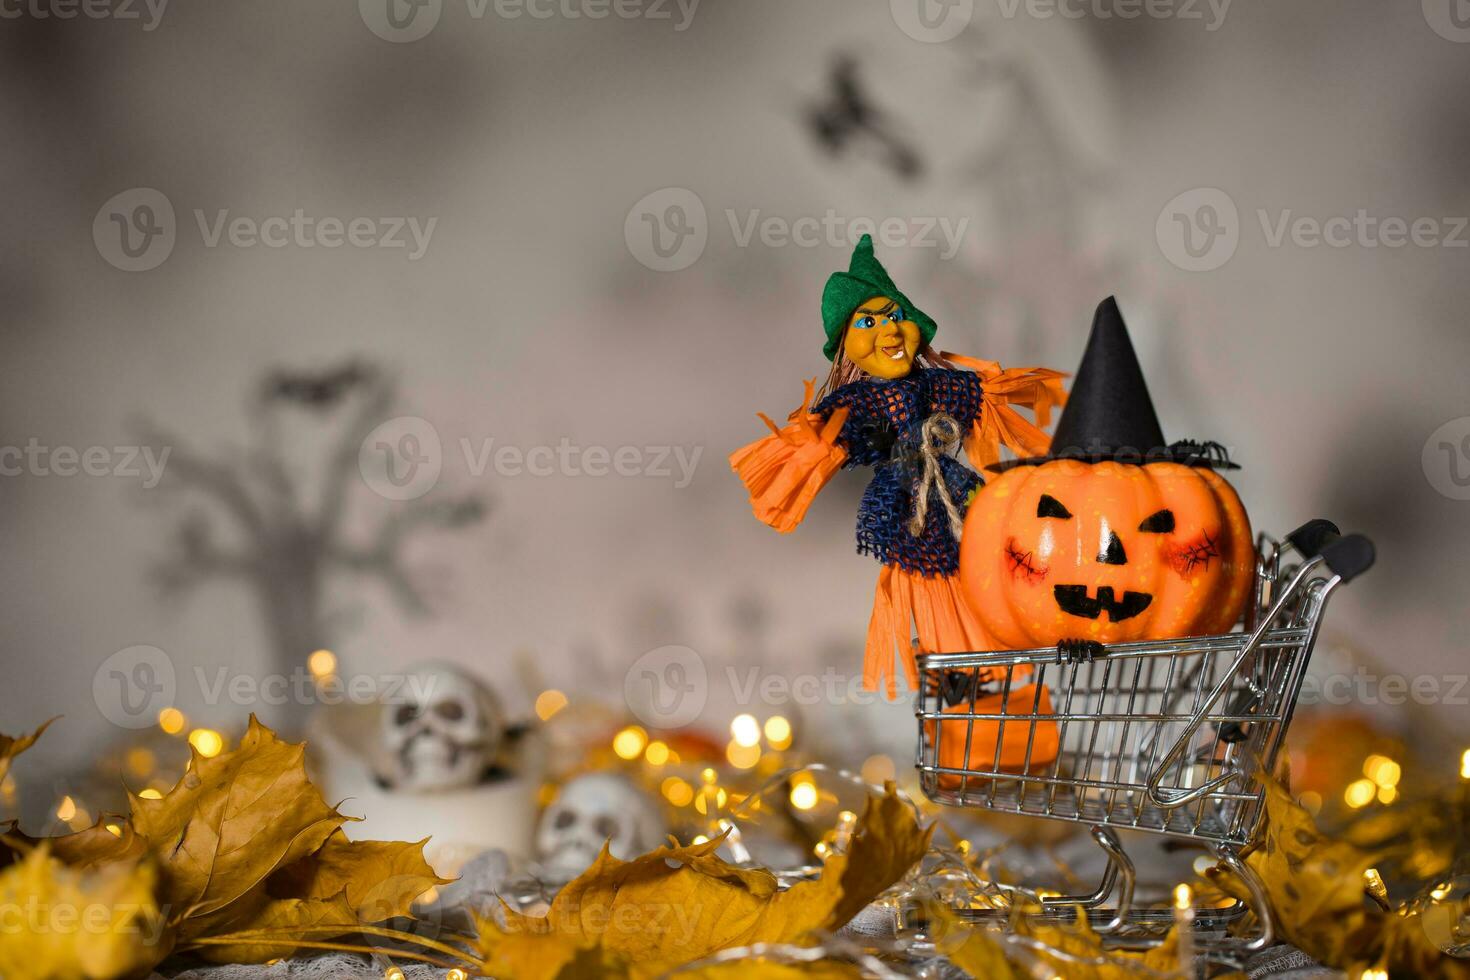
pixel 881 340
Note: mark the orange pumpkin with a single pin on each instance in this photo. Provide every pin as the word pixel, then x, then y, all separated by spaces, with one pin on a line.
pixel 1016 738
pixel 1106 551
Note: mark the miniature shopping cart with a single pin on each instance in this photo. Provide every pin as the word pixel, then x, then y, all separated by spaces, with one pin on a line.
pixel 1165 737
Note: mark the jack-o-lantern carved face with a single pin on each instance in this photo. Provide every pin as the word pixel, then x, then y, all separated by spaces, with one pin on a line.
pixel 1105 551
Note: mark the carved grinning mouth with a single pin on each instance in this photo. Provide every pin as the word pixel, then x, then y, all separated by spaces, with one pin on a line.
pixel 1073 600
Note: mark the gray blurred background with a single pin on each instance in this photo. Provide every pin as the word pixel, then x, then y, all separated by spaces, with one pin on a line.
pixel 1080 155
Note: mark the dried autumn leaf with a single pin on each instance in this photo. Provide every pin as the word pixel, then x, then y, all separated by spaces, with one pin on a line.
pixel 12 746
pixel 380 879
pixel 278 928
pixel 67 923
pixel 681 904
pixel 344 885
pixel 89 848
pixel 1315 886
pixel 229 824
pixel 764 969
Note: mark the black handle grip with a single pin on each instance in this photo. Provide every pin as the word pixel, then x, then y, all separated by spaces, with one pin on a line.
pixel 1347 555
pixel 1313 536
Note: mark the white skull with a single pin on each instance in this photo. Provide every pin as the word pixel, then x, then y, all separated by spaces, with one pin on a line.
pixel 592 809
pixel 443 731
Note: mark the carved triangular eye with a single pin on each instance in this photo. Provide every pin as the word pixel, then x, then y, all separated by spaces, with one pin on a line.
pixel 1049 506
pixel 1159 522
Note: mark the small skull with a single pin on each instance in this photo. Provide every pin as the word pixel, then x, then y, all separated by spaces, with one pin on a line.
pixel 590 810
pixel 445 731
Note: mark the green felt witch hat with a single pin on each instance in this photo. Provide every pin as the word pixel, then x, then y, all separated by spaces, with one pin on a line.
pixel 864 279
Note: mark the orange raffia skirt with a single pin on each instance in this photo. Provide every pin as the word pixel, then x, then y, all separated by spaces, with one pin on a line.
pixel 907 604
pixel 785 470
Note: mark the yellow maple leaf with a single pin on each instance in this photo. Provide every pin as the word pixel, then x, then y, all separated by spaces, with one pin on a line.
pixel 89 848
pixel 12 746
pixel 379 879
pixel 343 885
pixel 677 904
pixel 67 923
pixel 229 824
pixel 1314 883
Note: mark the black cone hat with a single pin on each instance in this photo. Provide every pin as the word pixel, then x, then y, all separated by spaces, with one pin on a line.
pixel 1109 414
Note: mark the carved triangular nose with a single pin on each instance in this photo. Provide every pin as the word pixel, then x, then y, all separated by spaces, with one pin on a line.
pixel 1113 554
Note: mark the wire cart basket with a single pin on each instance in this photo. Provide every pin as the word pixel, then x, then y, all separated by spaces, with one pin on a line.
pixel 1164 737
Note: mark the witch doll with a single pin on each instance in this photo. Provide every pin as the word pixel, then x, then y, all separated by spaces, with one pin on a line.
pixel 893 403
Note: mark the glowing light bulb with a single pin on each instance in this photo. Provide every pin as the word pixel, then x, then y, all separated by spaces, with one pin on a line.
pixel 456 974
pixel 393 973
pixel 1465 765
pixel 150 794
pixel 1183 897
pixel 657 753
pixel 742 756
pixel 1359 793
pixel 207 742
pixel 677 791
pixel 630 742
pixel 778 732
pixel 549 702
pixel 322 664
pixel 66 809
pixel 172 720
pixel 745 730
pixel 804 795
pixel 1376 889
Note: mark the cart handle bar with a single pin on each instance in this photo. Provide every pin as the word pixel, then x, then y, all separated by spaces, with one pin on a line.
pixel 1319 541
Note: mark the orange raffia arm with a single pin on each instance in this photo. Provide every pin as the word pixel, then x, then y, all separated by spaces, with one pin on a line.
pixel 1039 389
pixel 784 471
